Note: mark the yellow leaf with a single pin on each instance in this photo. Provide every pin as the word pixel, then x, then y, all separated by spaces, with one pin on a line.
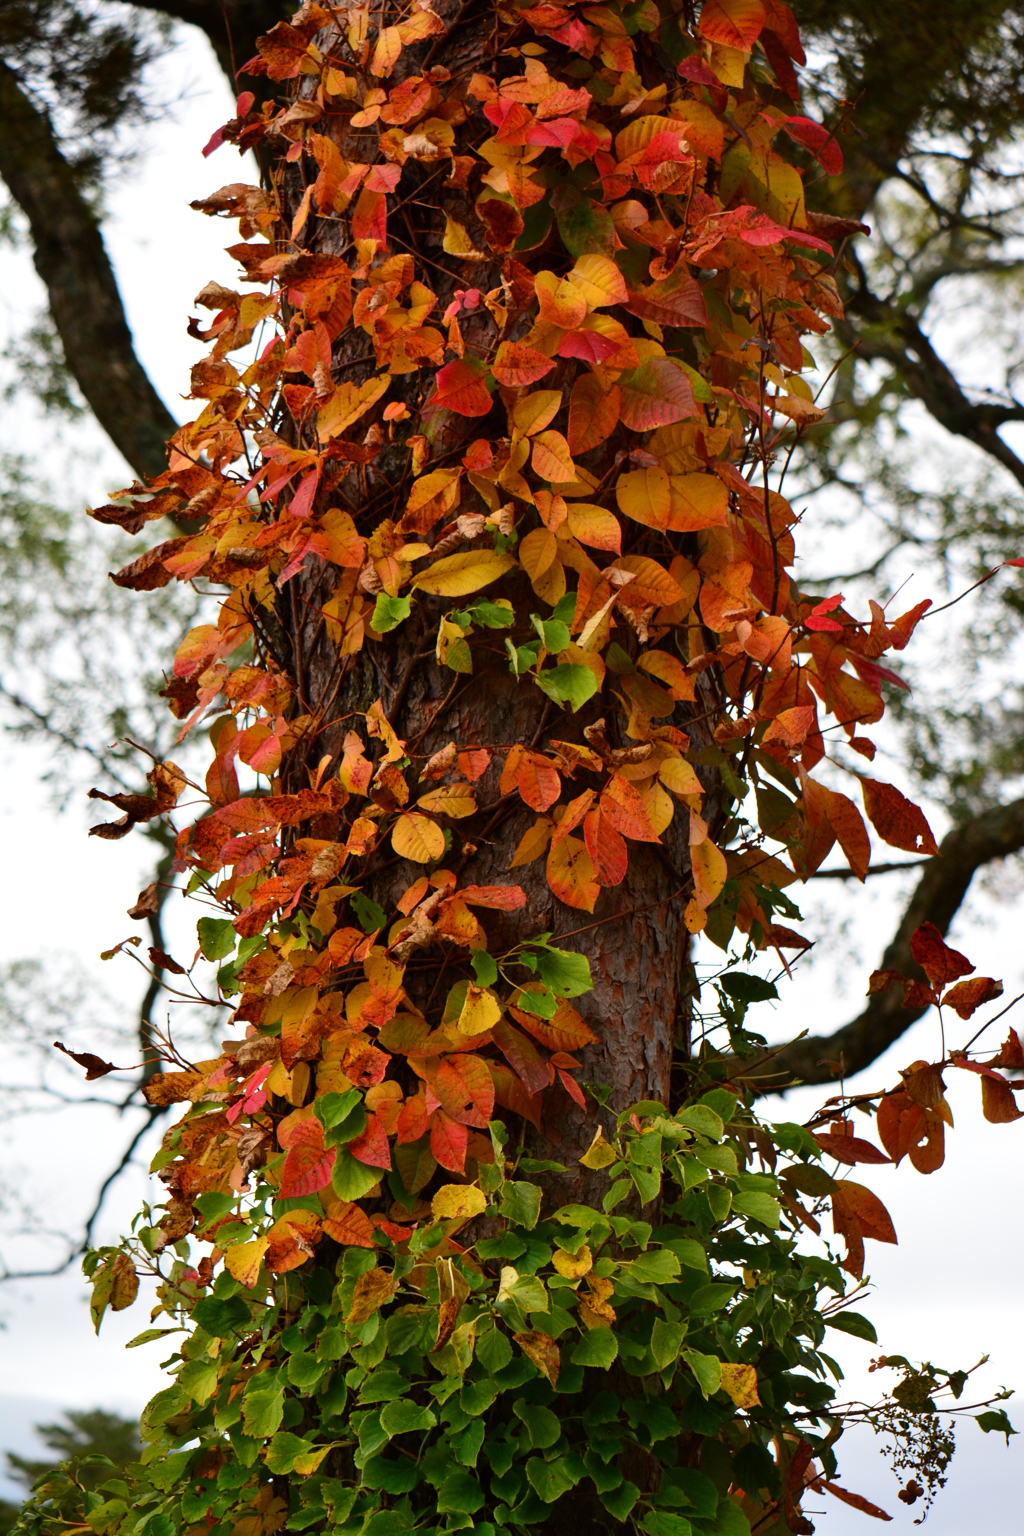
pixel 457 575
pixel 243 1260
pixel 668 669
pixel 678 775
pixel 387 52
pixel 480 1011
pixel 417 837
pixel 645 495
pixel 312 1459
pixel 695 919
pixel 458 1200
pixel 551 458
pixel 348 403
pixel 573 1265
pixel 594 526
pixel 532 843
pixel 599 1154
pixel 455 800
pixel 550 585
pixel 709 871
pixel 457 242
pixel 599 280
pixel 740 1381
pixel 533 412
pixel 537 552
pixel 698 501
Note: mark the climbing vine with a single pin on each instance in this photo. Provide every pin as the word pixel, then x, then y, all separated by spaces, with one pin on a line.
pixel 424 1263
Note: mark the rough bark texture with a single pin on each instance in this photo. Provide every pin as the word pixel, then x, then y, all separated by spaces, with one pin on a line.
pixel 86 306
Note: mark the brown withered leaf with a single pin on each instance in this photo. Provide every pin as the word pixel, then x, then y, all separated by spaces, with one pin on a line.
pixel 857 1500
pixel 1011 1052
pixel 966 996
pixel 543 1351
pixel 372 1290
pixel 161 961
pixel 94 1066
pixel 923 1081
pixel 171 1088
pixel 147 904
pixel 997 1102
pixel 148 571
pixel 182 695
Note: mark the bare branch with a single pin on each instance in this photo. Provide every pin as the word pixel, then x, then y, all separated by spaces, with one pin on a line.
pixel 72 262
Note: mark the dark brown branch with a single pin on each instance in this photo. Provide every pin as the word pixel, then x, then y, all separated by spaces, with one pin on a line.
pixel 937 898
pixel 84 301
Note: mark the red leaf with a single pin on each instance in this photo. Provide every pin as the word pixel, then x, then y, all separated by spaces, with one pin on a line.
pixel 308 1163
pixel 940 963
pixel 607 848
pixel 372 1146
pixel 448 1141
pixel 463 1085
pixel 516 365
pixel 817 619
pixel 460 388
pixel 503 898
pixel 523 1057
pixel 896 819
pixel 817 138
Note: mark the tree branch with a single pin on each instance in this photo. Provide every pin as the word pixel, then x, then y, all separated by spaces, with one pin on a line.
pixel 937 898
pixel 84 301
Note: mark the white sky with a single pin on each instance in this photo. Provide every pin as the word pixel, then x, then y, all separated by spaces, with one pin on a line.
pixel 951 1291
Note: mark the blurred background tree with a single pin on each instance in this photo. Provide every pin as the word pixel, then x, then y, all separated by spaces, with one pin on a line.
pixel 85 1432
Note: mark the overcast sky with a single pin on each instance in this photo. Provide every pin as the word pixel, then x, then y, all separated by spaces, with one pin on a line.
pixel 951 1291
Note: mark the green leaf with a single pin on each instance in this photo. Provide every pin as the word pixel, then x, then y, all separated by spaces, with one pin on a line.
pixel 263 1410
pixel 485 967
pixel 460 1493
pixel 731 1520
pixel 390 1474
pixel 747 989
pixel 331 1109
pixel 543 1427
pixel 217 937
pixel 587 229
pixel 711 1298
pixel 566 973
pixel 751 1202
pixel 553 632
pixel 698 1117
pixel 666 1341
pixel 494 1351
pixel 284 1450
pixel 350 1179
pixel 369 916
pixel 402 1417
pixel 199 1379
pixel 598 1347
pixel 549 1479
pixel 568 683
pixel 520 1203
pixel 994 1419
pixel 619 1501
pixel 389 612
pixel 542 1004
pixel 706 1368
pixel 220 1316
pixel 696 1488
pixel 659 1266
pixel 148 1335
pixel 853 1322
pixel 689 1252
pixel 497 615
pixel 467 1444
pixel 659 1522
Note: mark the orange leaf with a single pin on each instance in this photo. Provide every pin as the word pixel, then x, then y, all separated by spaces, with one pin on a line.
pixel 848 826
pixel 349 1225
pixel 535 777
pixel 565 1032
pixel 516 365
pixel 593 413
pixel 655 395
pixel 624 807
pixel 460 385
pixel 966 996
pixel 897 820
pixel 607 848
pixel 570 874
pixel 732 23
pixel 709 872
pixel 849 1149
pixel 857 1500
pixel 855 1202
pixel 463 1085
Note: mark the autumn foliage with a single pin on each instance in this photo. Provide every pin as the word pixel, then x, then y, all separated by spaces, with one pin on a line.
pixel 506 398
